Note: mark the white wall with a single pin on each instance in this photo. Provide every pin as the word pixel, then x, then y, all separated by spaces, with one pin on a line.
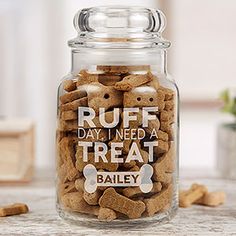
pixel 203 54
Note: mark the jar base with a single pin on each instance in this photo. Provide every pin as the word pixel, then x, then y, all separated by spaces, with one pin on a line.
pixel 86 221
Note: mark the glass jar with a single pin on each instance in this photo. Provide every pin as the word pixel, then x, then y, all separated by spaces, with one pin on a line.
pixel 117 132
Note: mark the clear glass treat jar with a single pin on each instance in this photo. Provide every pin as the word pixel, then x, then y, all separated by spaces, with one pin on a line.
pixel 117 127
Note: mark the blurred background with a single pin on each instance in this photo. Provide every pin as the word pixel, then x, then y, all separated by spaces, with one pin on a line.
pixel 35 56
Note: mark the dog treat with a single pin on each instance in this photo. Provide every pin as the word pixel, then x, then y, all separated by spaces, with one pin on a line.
pixel 153 125
pixel 157 202
pixel 66 147
pixel 187 198
pixel 162 147
pixel 169 105
pixel 69 115
pixel 113 69
pixel 14 209
pixel 82 102
pixel 67 172
pixel 116 143
pixel 109 80
pixel 131 81
pixel 67 152
pixel 164 167
pixel 103 96
pixel 106 214
pixel 71 96
pixel 150 98
pixel 69 85
pixel 86 78
pixel 162 135
pixel 75 202
pixel 134 192
pixel 92 198
pixel 79 184
pixel 69 125
pixel 129 165
pixel 113 200
pixel 68 187
pixel 212 199
pixel 135 168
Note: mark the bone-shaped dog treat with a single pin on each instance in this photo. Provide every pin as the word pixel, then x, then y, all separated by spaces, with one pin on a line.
pixel 158 201
pixel 153 125
pixel 82 102
pixel 166 127
pixel 131 81
pixel 187 198
pixel 166 116
pixel 67 150
pixel 135 168
pixel 164 167
pixel 71 96
pixel 162 135
pixel 105 79
pixel 144 97
pixel 79 184
pixel 84 77
pixel 80 164
pixel 162 147
pixel 129 165
pixel 67 172
pixel 69 115
pixel 135 192
pixel 113 69
pixel 75 202
pixel 14 209
pixel 68 187
pixel 92 198
pixel 109 80
pixel 100 95
pixel 169 105
pixel 106 214
pixel 141 178
pixel 169 93
pixel 70 125
pixel 212 199
pixel 69 85
pixel 113 200
pixel 67 153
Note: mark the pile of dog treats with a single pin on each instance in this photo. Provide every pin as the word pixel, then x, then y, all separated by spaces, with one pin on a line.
pixel 198 194
pixel 104 91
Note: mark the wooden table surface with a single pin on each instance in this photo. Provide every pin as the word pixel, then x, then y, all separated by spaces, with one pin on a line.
pixel 43 219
